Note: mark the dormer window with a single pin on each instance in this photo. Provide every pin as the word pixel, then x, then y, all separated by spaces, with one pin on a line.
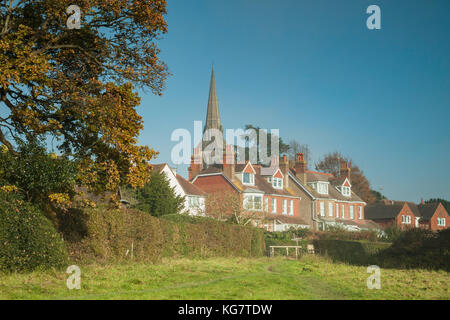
pixel 322 188
pixel 346 191
pixel 277 183
pixel 248 178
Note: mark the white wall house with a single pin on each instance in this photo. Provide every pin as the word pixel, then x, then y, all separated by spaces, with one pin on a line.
pixel 194 203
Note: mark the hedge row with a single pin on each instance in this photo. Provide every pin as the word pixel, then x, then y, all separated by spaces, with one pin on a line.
pixel 413 249
pixel 418 248
pixel 352 252
pixel 118 235
pixel 28 240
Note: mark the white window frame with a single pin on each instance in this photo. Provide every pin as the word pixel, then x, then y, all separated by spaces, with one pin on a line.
pixel 352 212
pixel 406 219
pixel 274 205
pixel 291 207
pixel 322 208
pixel 194 202
pixel 266 204
pixel 322 187
pixel 342 211
pixel 250 203
pixel 251 179
pixel 284 204
pixel 360 215
pixel 346 191
pixel 441 222
pixel 330 209
pixel 277 183
pixel 337 210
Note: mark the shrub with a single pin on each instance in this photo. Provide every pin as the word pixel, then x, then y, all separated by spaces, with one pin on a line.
pixel 350 251
pixel 36 173
pixel 414 248
pixel 392 233
pixel 102 235
pixel 339 233
pixel 28 239
pixel 418 248
pixel 157 197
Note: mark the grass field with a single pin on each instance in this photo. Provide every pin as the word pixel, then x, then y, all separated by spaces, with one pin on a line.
pixel 312 277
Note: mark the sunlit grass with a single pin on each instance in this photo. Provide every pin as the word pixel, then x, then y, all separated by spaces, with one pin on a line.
pixel 311 277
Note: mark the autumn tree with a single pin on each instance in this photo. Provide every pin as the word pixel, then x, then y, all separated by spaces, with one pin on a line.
pixel 78 85
pixel 331 163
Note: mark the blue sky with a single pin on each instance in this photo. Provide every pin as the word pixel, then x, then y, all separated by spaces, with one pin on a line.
pixel 314 71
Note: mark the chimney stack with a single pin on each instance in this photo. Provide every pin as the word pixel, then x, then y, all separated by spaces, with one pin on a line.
pixel 345 170
pixel 284 167
pixel 196 163
pixel 300 167
pixel 228 162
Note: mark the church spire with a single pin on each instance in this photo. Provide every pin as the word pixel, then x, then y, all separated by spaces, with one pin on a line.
pixel 213 115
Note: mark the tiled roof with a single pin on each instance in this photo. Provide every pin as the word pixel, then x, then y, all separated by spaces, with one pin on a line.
pixel 333 192
pixel 189 188
pixel 365 224
pixel 318 176
pixel 268 171
pixel 286 219
pixel 414 208
pixel 265 186
pixel 381 210
pixel 427 210
pixel 240 167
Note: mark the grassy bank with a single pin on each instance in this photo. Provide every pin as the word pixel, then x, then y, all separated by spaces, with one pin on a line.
pixel 312 277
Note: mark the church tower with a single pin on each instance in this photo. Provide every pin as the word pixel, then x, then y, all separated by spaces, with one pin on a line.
pixel 212 114
pixel 213 129
pixel 213 125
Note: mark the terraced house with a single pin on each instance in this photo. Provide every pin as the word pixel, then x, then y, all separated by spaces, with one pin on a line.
pixel 330 199
pixel 285 197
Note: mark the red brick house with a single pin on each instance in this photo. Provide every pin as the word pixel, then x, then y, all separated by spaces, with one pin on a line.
pixel 331 199
pixel 285 197
pixel 401 214
pixel 264 191
pixel 433 216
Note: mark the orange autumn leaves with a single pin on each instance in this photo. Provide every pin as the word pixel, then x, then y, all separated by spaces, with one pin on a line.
pixel 78 85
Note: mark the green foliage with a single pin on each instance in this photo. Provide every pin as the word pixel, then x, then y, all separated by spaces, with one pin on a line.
pixel 378 195
pixel 350 251
pixel 284 238
pixel 339 233
pixel 392 233
pixel 418 248
pixel 105 235
pixel 157 197
pixel 28 239
pixel 413 248
pixel 36 173
pixel 185 218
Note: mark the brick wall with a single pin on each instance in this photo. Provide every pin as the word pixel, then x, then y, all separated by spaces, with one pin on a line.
pixel 406 211
pixel 439 213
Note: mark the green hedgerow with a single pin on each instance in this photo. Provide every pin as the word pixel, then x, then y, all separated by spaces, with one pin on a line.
pixel 28 239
